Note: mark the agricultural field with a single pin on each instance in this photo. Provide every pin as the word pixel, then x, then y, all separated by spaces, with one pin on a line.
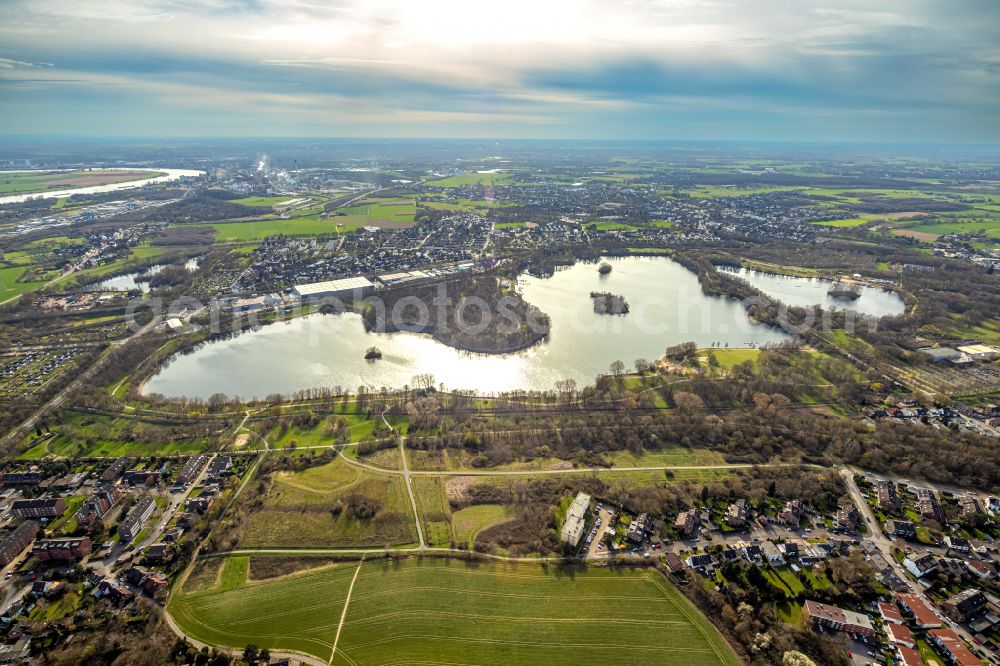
pixel 260 202
pixel 942 226
pixel 463 204
pixel 310 225
pixel 450 611
pixel 849 223
pixel 29 182
pixel 300 509
pixel 719 191
pixel 486 179
pixel 396 211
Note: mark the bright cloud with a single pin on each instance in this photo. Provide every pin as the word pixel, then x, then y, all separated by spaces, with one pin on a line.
pixel 920 70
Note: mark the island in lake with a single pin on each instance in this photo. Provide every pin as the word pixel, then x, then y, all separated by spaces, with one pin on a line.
pixel 373 354
pixel 471 313
pixel 604 268
pixel 608 303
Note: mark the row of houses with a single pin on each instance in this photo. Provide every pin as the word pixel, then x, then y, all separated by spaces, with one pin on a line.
pixel 191 469
pixel 103 504
pixel 896 618
pixel 68 549
pixel 768 553
pixel 49 507
pixel 136 518
pixel 14 543
pixel 928 505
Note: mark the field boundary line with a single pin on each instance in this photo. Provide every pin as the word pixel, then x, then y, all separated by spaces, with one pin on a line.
pixel 343 613
pixel 694 618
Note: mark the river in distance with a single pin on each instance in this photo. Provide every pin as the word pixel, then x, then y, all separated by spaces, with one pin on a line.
pixel 168 176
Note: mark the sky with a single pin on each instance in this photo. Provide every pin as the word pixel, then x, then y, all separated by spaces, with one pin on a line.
pixel 792 70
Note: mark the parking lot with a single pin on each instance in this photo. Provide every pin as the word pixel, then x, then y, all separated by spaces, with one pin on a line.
pixel 608 517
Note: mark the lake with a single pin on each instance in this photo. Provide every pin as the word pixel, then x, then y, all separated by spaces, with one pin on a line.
pixel 138 280
pixel 667 307
pixel 805 292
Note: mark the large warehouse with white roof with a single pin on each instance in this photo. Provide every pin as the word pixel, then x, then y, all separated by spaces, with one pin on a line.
pixel 354 287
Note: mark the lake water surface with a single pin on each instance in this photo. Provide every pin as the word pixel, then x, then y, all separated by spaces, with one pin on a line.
pixel 805 292
pixel 667 308
pixel 138 280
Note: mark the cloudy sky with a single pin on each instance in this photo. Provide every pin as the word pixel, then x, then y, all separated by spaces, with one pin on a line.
pixel 891 70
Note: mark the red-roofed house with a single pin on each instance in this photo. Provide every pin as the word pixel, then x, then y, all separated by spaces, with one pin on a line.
pixel 908 656
pixel 838 619
pixel 890 613
pixel 923 615
pixel 952 647
pixel 899 634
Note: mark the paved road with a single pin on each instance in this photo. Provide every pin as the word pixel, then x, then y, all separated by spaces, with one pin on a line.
pixel 14 596
pixel 885 546
pixel 173 504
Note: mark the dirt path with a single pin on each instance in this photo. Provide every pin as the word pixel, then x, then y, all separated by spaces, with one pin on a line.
pixel 343 614
pixel 421 544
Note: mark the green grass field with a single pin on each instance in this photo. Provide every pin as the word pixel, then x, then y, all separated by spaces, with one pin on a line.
pixel 448 611
pixel 27 182
pixel 260 201
pixel 988 227
pixel 298 510
pixel 470 521
pixel 91 435
pixel 728 358
pixel 10 287
pixel 609 226
pixel 310 225
pixel 471 179
pixel 384 210
pixel 848 223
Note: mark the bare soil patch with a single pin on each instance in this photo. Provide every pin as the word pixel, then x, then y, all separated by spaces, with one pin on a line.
pixel 457 487
pixel 919 235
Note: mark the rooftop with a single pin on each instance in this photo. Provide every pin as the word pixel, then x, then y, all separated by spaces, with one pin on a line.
pixel 343 284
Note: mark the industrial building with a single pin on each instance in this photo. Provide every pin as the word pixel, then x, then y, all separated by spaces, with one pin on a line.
pixel 939 354
pixel 354 287
pixel 576 517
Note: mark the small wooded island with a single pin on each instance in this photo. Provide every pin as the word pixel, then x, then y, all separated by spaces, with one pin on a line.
pixel 604 268
pixel 608 303
pixel 373 354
